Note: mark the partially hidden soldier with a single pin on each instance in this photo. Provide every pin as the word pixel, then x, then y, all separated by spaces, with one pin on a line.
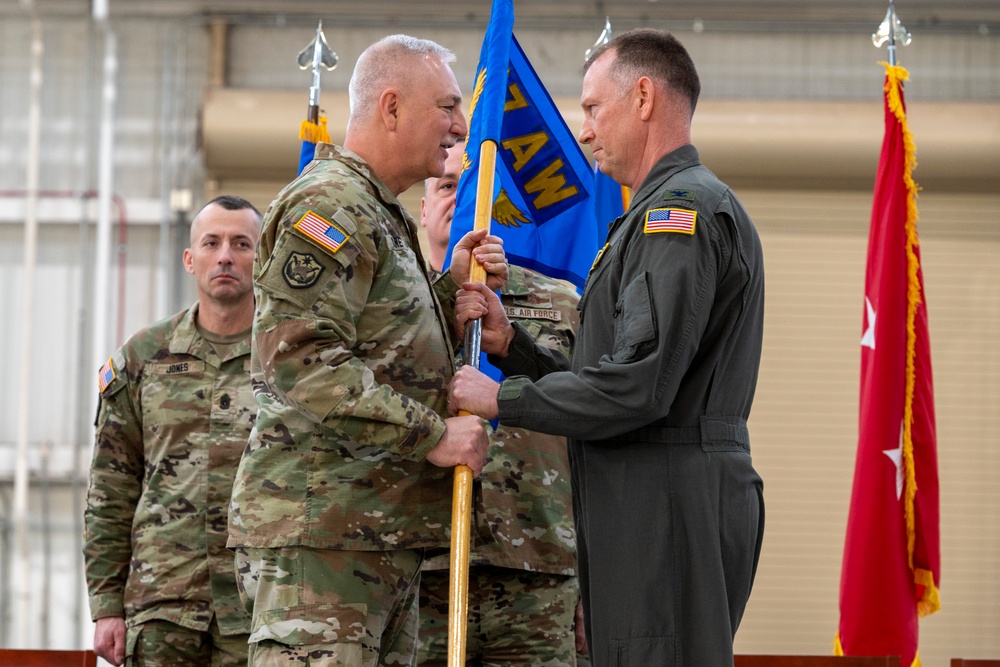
pixel 176 409
pixel 523 590
pixel 347 477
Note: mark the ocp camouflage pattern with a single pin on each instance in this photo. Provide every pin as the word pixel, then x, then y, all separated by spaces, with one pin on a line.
pixel 523 506
pixel 351 362
pixel 330 607
pixel 514 617
pixel 171 427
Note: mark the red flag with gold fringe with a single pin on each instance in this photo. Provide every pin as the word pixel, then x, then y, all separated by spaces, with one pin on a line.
pixel 891 567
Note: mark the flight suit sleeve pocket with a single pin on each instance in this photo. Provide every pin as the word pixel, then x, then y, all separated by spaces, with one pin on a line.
pixel 635 325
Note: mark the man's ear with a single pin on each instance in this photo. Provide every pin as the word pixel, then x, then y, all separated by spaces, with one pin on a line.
pixel 645 96
pixel 389 108
pixel 188 261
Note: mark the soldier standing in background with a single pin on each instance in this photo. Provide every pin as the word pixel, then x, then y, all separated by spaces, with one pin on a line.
pixel 176 409
pixel 347 477
pixel 523 590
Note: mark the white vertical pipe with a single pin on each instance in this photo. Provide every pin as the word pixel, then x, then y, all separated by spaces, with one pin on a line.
pixel 102 266
pixel 25 621
pixel 168 161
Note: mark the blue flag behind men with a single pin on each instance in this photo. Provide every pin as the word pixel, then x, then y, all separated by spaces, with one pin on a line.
pixel 543 208
pixel 311 134
pixel 610 201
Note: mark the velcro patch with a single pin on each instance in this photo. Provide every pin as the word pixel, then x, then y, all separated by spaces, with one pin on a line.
pixel 679 220
pixel 323 232
pixel 684 195
pixel 301 270
pixel 177 368
pixel 106 375
pixel 525 313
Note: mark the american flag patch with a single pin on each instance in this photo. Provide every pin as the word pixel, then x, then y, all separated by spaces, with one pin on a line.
pixel 679 220
pixel 321 231
pixel 106 374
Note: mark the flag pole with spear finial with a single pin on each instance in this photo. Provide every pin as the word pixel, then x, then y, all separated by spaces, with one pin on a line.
pixel 484 134
pixel 602 39
pixel 890 31
pixel 315 55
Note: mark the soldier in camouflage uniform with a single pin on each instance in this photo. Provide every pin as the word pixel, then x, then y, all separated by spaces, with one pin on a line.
pixel 523 589
pixel 347 477
pixel 176 409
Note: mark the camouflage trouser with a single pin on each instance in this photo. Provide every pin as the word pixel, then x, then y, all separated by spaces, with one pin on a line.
pixel 165 644
pixel 325 607
pixel 515 618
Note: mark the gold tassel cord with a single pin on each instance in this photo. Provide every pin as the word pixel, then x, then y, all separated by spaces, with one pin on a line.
pixel 314 132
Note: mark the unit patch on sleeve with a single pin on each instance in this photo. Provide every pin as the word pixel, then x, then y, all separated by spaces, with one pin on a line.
pixel 679 220
pixel 301 270
pixel 323 232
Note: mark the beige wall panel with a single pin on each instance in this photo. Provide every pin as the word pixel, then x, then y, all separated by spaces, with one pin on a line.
pixel 749 143
pixel 804 421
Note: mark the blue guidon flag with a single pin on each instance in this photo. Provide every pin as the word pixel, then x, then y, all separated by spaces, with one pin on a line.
pixel 542 208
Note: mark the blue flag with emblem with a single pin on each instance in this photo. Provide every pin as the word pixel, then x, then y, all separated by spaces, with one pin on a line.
pixel 316 56
pixel 542 206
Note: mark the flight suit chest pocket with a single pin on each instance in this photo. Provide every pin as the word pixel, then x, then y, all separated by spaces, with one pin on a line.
pixel 635 324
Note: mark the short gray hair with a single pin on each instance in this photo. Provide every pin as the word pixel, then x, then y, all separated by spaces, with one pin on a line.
pixel 653 53
pixel 382 64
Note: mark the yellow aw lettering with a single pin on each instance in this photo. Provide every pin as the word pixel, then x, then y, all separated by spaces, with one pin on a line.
pixel 549 183
pixel 518 101
pixel 525 147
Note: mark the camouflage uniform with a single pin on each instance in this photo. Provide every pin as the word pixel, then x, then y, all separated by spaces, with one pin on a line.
pixel 173 421
pixel 351 363
pixel 522 585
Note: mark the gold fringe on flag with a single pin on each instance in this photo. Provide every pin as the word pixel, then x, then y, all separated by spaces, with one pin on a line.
pixel 895 76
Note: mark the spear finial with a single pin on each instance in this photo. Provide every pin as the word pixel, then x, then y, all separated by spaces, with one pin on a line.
pixel 603 39
pixel 892 31
pixel 317 54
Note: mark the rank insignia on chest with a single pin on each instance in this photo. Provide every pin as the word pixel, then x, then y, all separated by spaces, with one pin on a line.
pixel 323 232
pixel 683 195
pixel 678 220
pixel 106 375
pixel 301 270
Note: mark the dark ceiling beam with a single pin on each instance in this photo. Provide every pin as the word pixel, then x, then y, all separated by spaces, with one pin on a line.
pixel 723 15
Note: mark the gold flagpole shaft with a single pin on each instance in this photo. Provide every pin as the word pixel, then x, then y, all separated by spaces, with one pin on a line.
pixel 461 503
